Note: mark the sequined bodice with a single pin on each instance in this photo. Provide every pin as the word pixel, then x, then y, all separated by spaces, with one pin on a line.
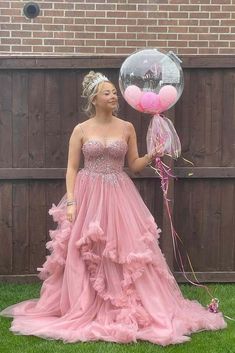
pixel 104 159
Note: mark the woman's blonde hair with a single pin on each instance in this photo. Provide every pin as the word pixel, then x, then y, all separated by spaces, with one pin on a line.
pixel 90 85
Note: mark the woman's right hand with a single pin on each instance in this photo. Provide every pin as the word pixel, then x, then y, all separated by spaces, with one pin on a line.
pixel 71 213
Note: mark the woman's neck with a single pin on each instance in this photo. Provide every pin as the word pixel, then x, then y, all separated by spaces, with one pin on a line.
pixel 103 117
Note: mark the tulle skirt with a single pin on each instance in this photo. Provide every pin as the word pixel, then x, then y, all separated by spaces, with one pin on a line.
pixel 106 277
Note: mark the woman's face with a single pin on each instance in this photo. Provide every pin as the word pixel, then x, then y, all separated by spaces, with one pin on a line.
pixel 106 97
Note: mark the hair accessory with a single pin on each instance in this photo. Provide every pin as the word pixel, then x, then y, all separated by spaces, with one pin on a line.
pixel 96 81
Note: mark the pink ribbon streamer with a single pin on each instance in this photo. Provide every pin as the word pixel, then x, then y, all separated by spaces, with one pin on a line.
pixel 165 173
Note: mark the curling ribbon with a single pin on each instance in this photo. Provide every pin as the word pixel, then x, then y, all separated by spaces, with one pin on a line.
pixel 164 173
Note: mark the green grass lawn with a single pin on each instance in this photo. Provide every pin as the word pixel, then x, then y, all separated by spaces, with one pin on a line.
pixel 222 341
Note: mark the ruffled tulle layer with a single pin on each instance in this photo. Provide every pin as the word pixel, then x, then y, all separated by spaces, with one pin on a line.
pixel 106 277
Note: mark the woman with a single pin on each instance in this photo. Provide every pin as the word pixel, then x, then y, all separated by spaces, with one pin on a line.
pixel 106 277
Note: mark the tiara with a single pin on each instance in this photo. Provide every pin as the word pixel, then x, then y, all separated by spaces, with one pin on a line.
pixel 97 81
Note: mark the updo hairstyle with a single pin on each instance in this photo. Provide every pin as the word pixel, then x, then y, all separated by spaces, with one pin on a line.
pixel 90 90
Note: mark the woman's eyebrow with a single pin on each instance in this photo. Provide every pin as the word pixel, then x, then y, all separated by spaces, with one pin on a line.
pixel 108 90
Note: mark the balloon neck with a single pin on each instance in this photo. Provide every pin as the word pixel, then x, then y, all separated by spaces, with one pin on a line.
pixel 159 115
pixel 174 56
pixel 156 115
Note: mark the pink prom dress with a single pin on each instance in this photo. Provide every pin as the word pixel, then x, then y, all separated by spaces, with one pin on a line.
pixel 106 277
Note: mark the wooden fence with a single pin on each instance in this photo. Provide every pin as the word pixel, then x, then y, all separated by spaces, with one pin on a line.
pixel 40 103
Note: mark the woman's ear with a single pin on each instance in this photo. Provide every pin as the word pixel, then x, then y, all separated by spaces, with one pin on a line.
pixel 93 102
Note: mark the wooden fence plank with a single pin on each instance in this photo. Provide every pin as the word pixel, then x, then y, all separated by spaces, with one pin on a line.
pixel 36 111
pixel 20 119
pixel 37 224
pixel 6 119
pixel 6 225
pixel 21 236
pixel 52 132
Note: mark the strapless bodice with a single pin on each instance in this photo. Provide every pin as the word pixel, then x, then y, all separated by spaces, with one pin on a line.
pixel 104 159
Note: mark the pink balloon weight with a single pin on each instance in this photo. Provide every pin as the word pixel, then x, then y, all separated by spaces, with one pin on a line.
pixel 132 95
pixel 149 101
pixel 167 96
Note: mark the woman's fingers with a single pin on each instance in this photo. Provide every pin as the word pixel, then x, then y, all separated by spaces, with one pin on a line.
pixel 70 215
pixel 158 150
pixel 69 218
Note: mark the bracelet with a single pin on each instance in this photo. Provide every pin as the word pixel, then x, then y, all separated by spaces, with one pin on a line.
pixel 72 202
pixel 149 158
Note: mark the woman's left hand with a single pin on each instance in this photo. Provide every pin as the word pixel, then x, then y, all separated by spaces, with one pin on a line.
pixel 158 151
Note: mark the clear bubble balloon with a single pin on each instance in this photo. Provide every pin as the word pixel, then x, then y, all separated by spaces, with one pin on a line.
pixel 151 81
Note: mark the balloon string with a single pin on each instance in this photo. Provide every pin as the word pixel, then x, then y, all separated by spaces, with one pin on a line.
pixel 228 317
pixel 186 160
pixel 164 172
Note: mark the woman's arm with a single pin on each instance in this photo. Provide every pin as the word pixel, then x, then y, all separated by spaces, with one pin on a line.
pixel 74 154
pixel 136 163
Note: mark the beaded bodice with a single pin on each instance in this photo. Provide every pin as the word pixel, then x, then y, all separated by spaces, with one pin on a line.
pixel 104 159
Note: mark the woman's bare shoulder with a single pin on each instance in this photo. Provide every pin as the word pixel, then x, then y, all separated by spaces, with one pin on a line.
pixel 80 127
pixel 83 124
pixel 127 124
